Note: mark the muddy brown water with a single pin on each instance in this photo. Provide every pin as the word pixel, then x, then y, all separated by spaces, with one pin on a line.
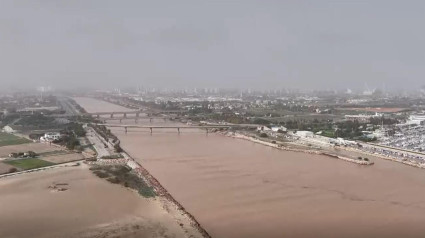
pixel 236 188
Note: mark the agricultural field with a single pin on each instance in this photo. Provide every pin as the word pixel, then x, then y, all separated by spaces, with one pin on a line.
pixel 46 155
pixel 38 148
pixel 25 164
pixel 9 139
pixel 62 157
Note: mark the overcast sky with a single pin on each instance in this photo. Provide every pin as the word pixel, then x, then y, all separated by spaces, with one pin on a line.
pixel 247 44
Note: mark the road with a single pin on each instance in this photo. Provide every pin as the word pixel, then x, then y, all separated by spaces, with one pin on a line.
pixel 67 106
pixel 98 145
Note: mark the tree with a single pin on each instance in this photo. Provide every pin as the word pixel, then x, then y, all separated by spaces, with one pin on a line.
pixel 118 148
pixel 32 154
pixel 13 170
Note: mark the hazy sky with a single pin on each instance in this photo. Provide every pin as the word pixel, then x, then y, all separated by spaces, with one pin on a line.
pixel 247 44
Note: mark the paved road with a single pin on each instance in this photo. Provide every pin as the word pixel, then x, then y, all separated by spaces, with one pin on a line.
pixel 67 106
pixel 97 143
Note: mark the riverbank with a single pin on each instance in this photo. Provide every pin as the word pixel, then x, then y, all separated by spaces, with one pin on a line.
pixel 170 204
pixel 280 147
pixel 387 158
pixel 164 194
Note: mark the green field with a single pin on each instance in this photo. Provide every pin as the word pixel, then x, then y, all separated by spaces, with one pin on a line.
pixel 29 163
pixel 9 139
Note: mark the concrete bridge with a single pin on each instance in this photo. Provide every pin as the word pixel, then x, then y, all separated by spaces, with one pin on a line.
pixel 111 114
pixel 181 127
pixel 137 118
pixel 123 114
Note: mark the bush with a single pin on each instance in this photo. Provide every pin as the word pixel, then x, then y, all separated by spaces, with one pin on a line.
pixel 263 135
pixel 32 154
pixel 261 121
pixel 118 148
pixel 13 155
pixel 101 174
pixel 113 180
pixel 13 170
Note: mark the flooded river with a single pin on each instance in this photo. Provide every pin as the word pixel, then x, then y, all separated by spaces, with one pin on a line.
pixel 237 188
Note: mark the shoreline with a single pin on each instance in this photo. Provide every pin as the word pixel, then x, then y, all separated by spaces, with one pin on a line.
pixel 164 197
pixel 163 193
pixel 276 146
pixel 279 147
pixel 387 158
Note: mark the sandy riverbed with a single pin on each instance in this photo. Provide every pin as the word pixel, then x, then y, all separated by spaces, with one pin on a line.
pixel 89 207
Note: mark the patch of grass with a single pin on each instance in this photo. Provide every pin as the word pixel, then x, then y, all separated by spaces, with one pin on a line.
pixel 101 174
pixel 119 174
pixel 114 180
pixel 31 163
pixel 9 139
pixel 328 133
pixel 114 156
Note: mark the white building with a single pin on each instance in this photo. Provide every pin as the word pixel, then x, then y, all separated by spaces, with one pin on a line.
pixel 50 136
pixel 279 129
pixel 416 119
pixel 305 133
pixel 8 129
pixel 263 128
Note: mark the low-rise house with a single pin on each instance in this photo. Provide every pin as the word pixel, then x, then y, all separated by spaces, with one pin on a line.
pixel 11 129
pixel 50 136
pixel 278 129
pixel 263 128
pixel 305 134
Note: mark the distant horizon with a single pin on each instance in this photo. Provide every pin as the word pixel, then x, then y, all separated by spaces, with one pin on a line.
pixel 348 91
pixel 228 44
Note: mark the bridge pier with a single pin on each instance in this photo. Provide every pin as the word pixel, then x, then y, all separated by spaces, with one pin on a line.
pixel 178 130
pixel 112 115
pixel 125 115
pixel 125 128
pixel 151 130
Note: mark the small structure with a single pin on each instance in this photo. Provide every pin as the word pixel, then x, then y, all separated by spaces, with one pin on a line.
pixel 50 136
pixel 278 129
pixel 305 134
pixel 263 128
pixel 9 129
